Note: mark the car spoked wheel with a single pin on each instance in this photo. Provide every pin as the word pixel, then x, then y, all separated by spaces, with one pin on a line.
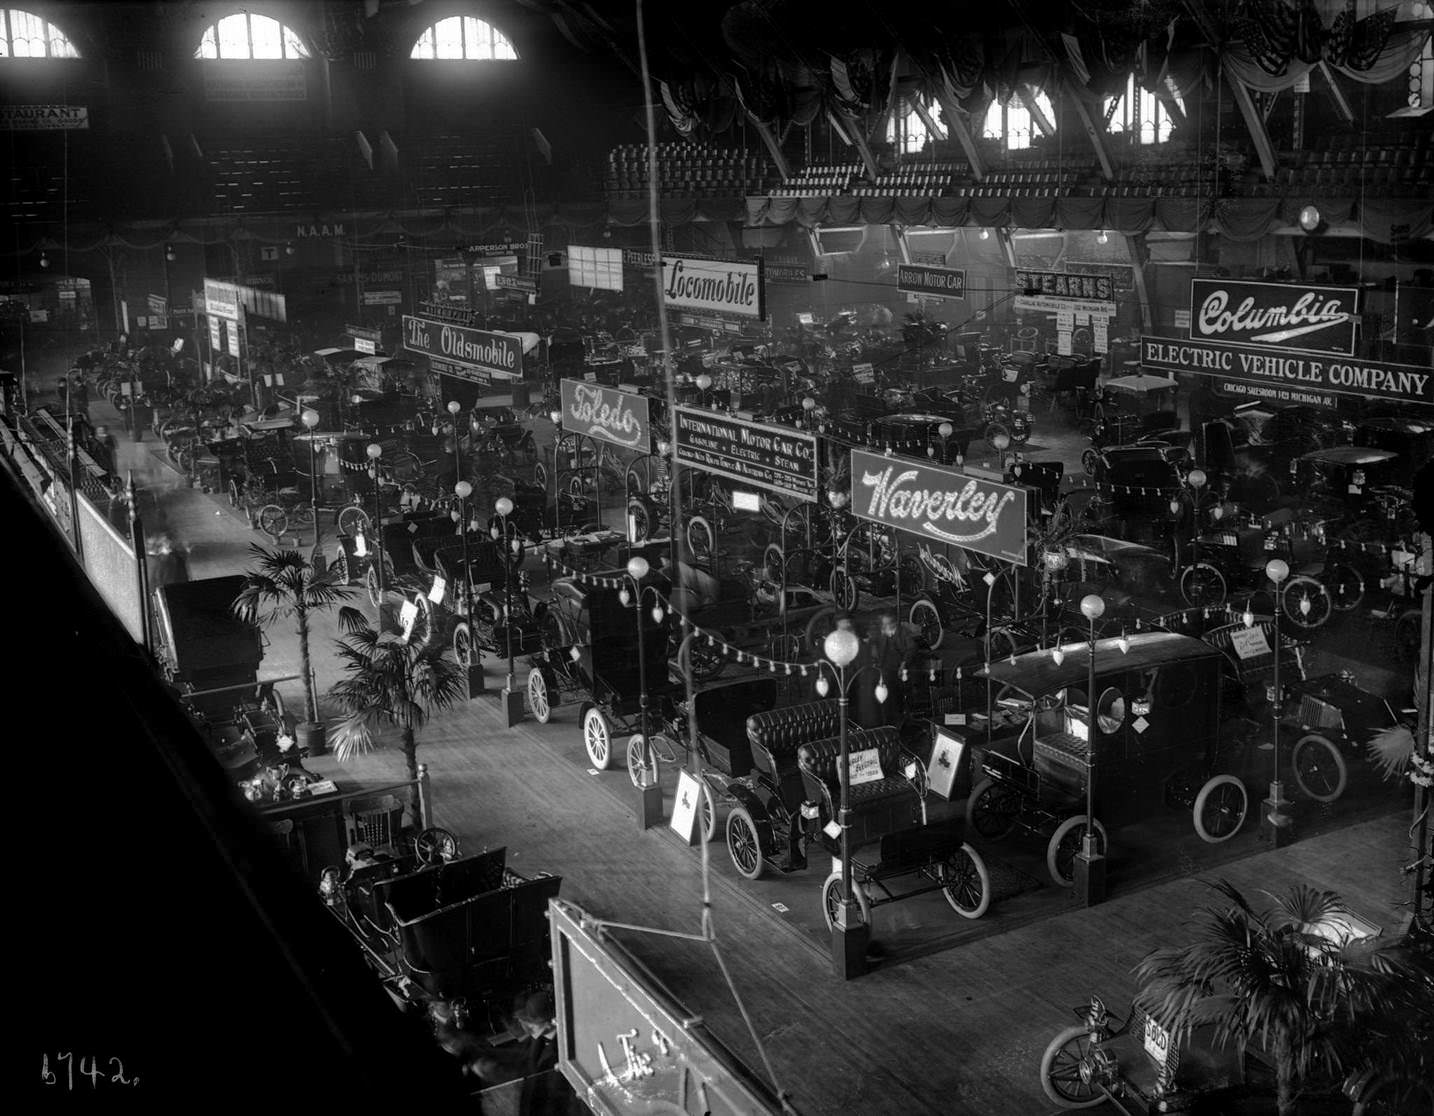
pixel 700 538
pixel 925 617
pixel 965 882
pixel 1320 771
pixel 831 900
pixel 1346 587
pixel 463 645
pixel 1065 843
pixel 641 762
pixel 844 589
pixel 540 703
pixel 638 517
pixel 1220 809
pixel 1307 603
pixel 992 809
pixel 597 739
pixel 353 521
pixel 272 521
pixel 1202 586
pixel 1066 1076
pixel 743 844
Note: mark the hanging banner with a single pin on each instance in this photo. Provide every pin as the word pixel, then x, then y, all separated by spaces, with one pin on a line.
pixel 221 300
pixel 43 118
pixel 498 353
pixel 606 414
pixel 728 287
pixel 939 282
pixel 1284 315
pixel 1064 285
pixel 940 504
pixel 522 283
pixel 775 458
pixel 787 273
pixel 1288 375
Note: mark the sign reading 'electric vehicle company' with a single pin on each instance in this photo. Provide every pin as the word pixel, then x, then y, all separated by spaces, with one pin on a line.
pixel 605 414
pixel 772 457
pixel 1290 315
pixel 943 282
pixel 1290 375
pixel 726 286
pixel 476 348
pixel 940 504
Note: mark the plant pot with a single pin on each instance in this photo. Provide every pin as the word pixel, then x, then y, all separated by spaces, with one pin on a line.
pixel 312 735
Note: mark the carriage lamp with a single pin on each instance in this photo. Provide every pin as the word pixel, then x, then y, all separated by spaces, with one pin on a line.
pixel 1090 861
pixel 1276 824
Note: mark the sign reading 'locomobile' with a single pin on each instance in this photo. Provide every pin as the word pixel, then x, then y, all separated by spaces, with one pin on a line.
pixel 725 286
pixel 473 348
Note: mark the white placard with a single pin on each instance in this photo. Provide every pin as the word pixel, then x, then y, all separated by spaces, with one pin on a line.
pixel 1182 319
pixel 746 501
pixel 1082 317
pixel 360 546
pixel 863 373
pixel 947 752
pixel 684 806
pixel 232 329
pixel 1101 339
pixel 1249 642
pixel 216 334
pixel 436 593
pixel 1065 320
pixel 1047 304
pixel 957 720
pixel 407 615
pixel 863 767
pixel 1063 342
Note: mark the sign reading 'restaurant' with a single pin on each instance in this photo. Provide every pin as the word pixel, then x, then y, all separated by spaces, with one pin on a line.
pixel 940 504
pixel 771 457
pixel 605 414
pixel 943 282
pixel 477 348
pixel 726 286
pixel 1275 371
pixel 1288 315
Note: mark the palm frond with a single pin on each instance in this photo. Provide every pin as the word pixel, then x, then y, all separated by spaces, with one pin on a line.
pixel 1390 750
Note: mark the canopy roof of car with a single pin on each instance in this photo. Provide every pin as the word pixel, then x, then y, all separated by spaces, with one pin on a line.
pixel 1037 673
pixel 1349 455
pixel 200 628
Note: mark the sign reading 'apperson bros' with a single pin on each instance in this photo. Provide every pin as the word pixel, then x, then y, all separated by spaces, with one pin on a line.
pixel 606 414
pixel 498 353
pixel 726 286
pixel 940 504
pixel 1288 315
pixel 771 457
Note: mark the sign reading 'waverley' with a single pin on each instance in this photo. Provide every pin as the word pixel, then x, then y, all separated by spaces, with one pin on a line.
pixel 1275 372
pixel 940 504
pixel 943 282
pixel 770 457
pixel 726 286
pixel 477 348
pixel 605 414
pixel 1290 315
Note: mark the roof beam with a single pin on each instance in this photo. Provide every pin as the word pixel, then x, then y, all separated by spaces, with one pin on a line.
pixel 1341 102
pixel 956 121
pixel 1094 129
pixel 1027 94
pixel 1253 121
pixel 774 149
pixel 850 131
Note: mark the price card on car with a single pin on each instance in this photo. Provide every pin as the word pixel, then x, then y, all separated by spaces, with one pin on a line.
pixel 1157 1041
pixel 360 546
pixel 436 593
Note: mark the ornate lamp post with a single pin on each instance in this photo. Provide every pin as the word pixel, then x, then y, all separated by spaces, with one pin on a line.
pixel 310 419
pixel 375 451
pixel 474 666
pixel 512 546
pixel 453 408
pixel 649 806
pixel 808 406
pixel 704 384
pixel 1001 442
pixel 1090 861
pixel 1276 824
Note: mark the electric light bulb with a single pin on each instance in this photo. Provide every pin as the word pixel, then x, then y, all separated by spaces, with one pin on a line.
pixel 658 614
pixel 1058 656
pixel 822 686
pixel 1305 606
pixel 1123 643
pixel 1248 617
pixel 625 597
pixel 881 693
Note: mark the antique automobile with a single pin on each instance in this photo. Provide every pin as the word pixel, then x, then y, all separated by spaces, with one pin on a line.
pixel 1356 491
pixel 1160 741
pixel 1324 720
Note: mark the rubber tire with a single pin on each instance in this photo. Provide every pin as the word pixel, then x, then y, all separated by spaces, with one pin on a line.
pixel 1201 799
pixel 1345 586
pixel 844 590
pixel 639 772
pixel 640 520
pixel 1316 741
pixel 370 584
pixel 774 563
pixel 1207 572
pixel 273 521
pixel 983 875
pixel 980 789
pixel 540 697
pixel 831 898
pixel 352 521
pixel 1316 591
pixel 819 626
pixel 462 635
pixel 1053 1051
pixel 597 739
pixel 921 616
pixel 697 527
pixel 741 818
pixel 1053 846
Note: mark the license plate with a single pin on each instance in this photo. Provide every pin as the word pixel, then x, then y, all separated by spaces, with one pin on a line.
pixel 1157 1041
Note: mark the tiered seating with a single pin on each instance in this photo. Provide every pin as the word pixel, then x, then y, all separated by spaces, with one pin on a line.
pixel 819 180
pixel 1035 177
pixel 1398 164
pixel 910 181
pixel 1168 179
pixel 36 185
pixel 687 170
pixel 261 176
pixel 450 170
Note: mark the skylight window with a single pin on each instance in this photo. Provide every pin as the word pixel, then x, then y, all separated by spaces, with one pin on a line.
pixel 463 38
pixel 26 35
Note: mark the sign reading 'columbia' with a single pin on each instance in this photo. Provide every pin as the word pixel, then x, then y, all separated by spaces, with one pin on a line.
pixel 1290 315
pixel 495 352
pixel 940 504
pixel 605 414
pixel 722 285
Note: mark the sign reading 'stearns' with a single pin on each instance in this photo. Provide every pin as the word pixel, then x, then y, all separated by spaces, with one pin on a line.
pixel 1287 315
pixel 726 286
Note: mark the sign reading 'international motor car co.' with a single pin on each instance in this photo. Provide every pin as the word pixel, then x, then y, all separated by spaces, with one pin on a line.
pixel 725 286
pixel 476 348
pixel 1288 315
pixel 1290 376
pixel 605 414
pixel 943 282
pixel 940 504
pixel 772 457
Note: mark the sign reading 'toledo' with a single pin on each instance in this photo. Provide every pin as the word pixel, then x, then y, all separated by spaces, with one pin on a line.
pixel 1287 315
pixel 606 414
pixel 940 504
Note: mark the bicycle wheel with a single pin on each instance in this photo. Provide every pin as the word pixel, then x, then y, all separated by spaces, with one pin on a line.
pixel 701 539
pixel 1202 585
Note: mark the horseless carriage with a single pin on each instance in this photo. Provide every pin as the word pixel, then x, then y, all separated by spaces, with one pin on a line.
pixel 1161 740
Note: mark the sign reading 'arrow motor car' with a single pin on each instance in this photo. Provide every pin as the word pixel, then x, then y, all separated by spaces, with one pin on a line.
pixel 940 504
pixel 477 348
pixel 606 414
pixel 1290 315
pixel 943 282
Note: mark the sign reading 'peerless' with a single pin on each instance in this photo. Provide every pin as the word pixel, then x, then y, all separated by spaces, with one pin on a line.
pixel 722 285
pixel 495 352
pixel 940 504
pixel 1290 315
pixel 770 457
pixel 606 414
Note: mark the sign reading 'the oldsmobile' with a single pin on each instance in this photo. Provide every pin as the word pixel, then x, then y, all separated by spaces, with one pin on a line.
pixel 606 414
pixel 1274 374
pixel 499 353
pixel 726 286
pixel 1289 315
pixel 940 504
pixel 943 282
pixel 771 457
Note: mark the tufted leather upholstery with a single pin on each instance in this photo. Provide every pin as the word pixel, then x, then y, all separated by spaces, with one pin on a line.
pixel 886 805
pixel 776 735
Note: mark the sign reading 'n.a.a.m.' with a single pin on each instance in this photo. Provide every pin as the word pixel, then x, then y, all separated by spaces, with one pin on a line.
pixel 1284 315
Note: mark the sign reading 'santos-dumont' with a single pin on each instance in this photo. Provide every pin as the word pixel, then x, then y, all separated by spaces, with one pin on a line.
pixel 726 286
pixel 1288 315
pixel 1285 375
pixel 940 504
pixel 942 282
pixel 771 457
pixel 477 348
pixel 605 414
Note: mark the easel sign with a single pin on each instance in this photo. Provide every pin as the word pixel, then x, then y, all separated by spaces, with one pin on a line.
pixel 947 752
pixel 406 616
pixel 685 807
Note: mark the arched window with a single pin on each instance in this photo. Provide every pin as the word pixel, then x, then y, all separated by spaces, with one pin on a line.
pixel 1012 122
pixel 26 35
pixel 909 132
pixel 1139 111
pixel 246 35
pixel 460 38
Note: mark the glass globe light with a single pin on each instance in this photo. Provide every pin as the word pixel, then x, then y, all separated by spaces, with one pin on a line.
pixel 809 404
pixel 1277 569
pixel 945 430
pixel 310 418
pixel 1092 607
pixel 374 451
pixel 1310 218
pixel 704 382
pixel 463 490
pixel 841 647
pixel 454 406
pixel 1001 440
pixel 1196 478
pixel 503 506
pixel 637 567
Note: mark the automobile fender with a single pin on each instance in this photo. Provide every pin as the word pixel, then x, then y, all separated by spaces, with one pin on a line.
pixel 753 803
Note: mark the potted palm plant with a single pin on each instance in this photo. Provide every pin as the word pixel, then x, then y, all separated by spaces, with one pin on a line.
pixel 284 584
pixel 391 684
